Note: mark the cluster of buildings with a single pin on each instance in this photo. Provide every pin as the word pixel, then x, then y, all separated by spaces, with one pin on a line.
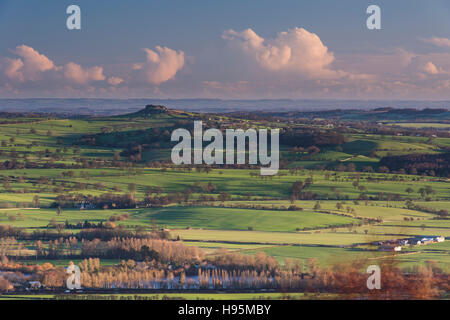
pixel 396 245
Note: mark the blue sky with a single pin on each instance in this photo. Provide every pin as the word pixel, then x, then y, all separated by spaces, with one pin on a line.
pixel 115 54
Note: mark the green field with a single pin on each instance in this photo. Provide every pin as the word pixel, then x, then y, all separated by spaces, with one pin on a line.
pixel 239 219
pixel 344 205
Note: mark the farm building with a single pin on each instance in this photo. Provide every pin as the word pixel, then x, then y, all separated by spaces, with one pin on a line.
pixel 423 240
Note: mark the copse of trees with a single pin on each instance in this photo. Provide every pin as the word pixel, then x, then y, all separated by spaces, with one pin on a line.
pixel 298 137
pixel 142 249
pixel 345 280
pixel 429 164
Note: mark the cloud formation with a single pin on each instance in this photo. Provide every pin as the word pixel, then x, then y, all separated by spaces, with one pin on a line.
pixel 440 42
pixel 162 64
pixel 293 64
pixel 28 66
pixel 115 81
pixel 32 66
pixel 432 69
pixel 33 72
pixel 75 73
pixel 295 51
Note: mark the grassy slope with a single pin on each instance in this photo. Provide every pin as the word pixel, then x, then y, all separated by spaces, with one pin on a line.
pixel 236 182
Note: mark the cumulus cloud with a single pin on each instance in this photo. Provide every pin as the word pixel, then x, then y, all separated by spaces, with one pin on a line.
pixel 162 64
pixel 33 71
pixel 76 73
pixel 431 68
pixel 115 81
pixel 13 69
pixel 294 51
pixel 33 59
pixel 28 66
pixel 440 42
pixel 28 71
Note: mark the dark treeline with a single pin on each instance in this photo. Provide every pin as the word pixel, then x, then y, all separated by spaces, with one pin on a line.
pixel 103 234
pixel 83 164
pixel 430 164
pixel 312 137
pixel 105 200
pixel 117 201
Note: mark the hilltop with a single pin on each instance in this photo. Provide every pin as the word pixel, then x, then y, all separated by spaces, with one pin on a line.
pixel 149 111
pixel 155 111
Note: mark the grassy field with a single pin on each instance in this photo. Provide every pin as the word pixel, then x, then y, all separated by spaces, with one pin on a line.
pixel 238 219
pixel 343 238
pixel 236 182
pixel 332 226
pixel 178 217
pixel 423 125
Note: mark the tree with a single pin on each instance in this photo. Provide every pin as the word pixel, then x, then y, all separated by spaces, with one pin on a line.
pixel 409 190
pixel 317 206
pixel 132 187
pixel 443 213
pixel 429 190
pixel 36 201
pixel 297 187
pixel 422 192
pixel 5 285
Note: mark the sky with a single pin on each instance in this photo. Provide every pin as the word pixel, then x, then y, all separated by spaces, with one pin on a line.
pixel 234 49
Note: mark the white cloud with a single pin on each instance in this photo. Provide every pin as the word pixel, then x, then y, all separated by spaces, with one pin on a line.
pixel 34 61
pixel 31 70
pixel 115 81
pixel 440 42
pixel 432 69
pixel 76 73
pixel 28 66
pixel 13 69
pixel 295 51
pixel 162 64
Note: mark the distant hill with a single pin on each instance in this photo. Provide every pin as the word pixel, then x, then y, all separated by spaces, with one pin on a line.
pixel 149 110
pixel 110 107
pixel 378 114
pixel 154 111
